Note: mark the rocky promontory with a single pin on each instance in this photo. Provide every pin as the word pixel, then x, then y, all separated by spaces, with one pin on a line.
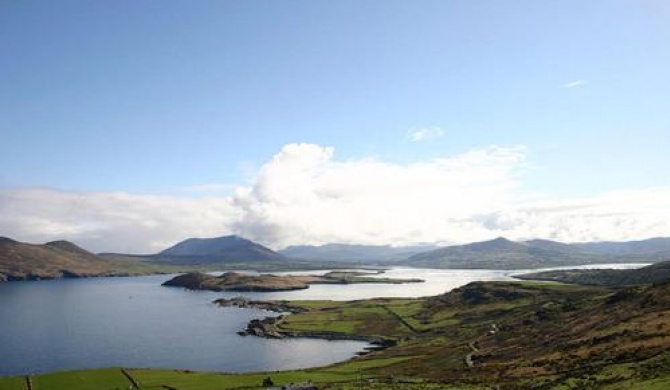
pixel 270 328
pixel 244 303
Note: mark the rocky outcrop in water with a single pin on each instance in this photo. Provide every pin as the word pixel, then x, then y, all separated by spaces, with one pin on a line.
pixel 267 328
pixel 234 281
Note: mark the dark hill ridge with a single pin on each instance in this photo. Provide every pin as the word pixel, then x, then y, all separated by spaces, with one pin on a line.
pixel 227 249
pixel 655 273
pixel 7 240
pixel 502 253
pixel 57 259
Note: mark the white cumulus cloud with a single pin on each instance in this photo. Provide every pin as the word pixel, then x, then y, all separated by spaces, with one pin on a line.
pixel 573 84
pixel 611 216
pixel 425 134
pixel 305 195
pixel 110 221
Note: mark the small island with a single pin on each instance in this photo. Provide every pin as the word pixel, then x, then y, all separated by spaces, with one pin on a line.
pixel 234 281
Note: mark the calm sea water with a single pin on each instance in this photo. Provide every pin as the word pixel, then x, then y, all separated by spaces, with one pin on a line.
pixel 135 322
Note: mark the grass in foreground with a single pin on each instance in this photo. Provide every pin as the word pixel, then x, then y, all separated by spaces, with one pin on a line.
pixel 13 383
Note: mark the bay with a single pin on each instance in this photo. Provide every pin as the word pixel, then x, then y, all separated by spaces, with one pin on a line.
pixel 135 322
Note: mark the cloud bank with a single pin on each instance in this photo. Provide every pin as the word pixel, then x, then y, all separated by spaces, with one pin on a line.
pixel 305 195
pixel 110 221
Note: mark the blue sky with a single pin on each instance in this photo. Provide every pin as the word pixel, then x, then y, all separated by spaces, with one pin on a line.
pixel 159 97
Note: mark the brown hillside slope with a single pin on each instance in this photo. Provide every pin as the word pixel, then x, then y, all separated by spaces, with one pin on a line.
pixel 512 335
pixel 523 332
pixel 57 259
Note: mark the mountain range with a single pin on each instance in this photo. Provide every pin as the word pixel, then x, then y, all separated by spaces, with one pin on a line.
pixel 650 246
pixel 499 253
pixel 354 253
pixel 21 261
pixel 502 253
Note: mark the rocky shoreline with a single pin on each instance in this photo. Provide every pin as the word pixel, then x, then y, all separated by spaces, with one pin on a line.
pixel 244 303
pixel 269 327
pixel 64 274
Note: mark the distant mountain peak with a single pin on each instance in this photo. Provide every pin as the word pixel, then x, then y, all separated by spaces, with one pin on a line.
pixel 206 246
pixel 500 243
pixel 230 248
pixel 498 253
pixel 66 246
pixel 501 239
pixel 357 253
